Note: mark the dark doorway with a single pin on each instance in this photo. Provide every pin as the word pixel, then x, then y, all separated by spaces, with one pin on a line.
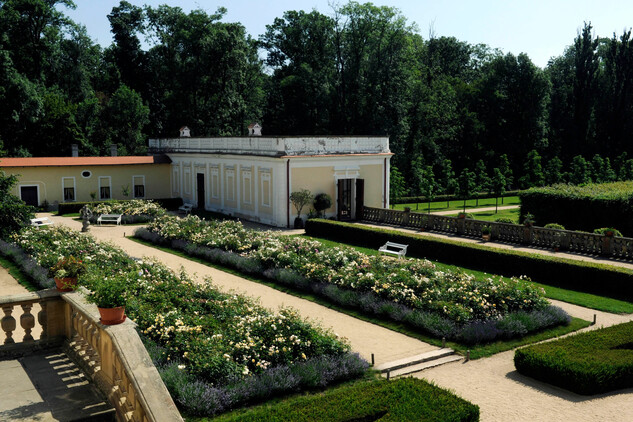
pixel 29 195
pixel 345 199
pixel 360 198
pixel 200 188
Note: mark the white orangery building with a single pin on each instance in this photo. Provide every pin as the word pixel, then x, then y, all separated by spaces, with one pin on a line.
pixel 252 177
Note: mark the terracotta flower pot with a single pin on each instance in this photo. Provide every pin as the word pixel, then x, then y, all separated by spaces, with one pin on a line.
pixel 112 316
pixel 485 237
pixel 66 284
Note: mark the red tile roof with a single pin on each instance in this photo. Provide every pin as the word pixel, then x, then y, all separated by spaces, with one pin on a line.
pixel 82 161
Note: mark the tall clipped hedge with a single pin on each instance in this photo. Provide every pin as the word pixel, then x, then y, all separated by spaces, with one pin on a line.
pixel 605 280
pixel 582 207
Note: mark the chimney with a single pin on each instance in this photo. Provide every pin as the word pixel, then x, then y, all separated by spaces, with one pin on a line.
pixel 185 132
pixel 113 150
pixel 75 150
pixel 254 129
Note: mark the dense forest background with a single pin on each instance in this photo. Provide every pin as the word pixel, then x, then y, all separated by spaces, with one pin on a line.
pixel 455 113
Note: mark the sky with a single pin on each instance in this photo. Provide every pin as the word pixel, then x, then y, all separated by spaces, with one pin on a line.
pixel 540 28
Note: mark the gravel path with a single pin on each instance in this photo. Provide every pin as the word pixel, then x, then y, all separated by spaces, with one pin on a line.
pixel 365 338
pixel 505 395
pixel 492 383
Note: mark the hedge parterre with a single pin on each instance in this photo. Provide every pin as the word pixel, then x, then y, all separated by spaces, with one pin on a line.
pixel 216 338
pixel 588 363
pixel 456 296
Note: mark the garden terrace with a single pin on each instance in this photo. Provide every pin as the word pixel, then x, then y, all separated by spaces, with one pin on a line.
pixel 540 237
pixel 442 303
pixel 212 344
pixel 113 357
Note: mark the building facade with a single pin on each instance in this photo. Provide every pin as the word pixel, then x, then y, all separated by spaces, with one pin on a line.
pixel 252 177
pixel 54 180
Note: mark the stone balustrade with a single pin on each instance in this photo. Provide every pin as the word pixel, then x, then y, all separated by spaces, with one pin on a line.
pixel 578 242
pixel 112 356
pixel 274 146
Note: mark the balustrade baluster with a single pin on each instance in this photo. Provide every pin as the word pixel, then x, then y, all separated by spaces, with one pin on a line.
pixel 41 319
pixel 8 324
pixel 27 321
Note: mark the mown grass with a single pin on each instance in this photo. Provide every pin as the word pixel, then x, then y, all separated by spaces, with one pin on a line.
pixel 587 300
pixel 16 273
pixel 405 399
pixel 512 214
pixel 476 351
pixel 458 204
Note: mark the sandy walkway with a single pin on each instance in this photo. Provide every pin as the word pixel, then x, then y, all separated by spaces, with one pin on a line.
pixel 473 210
pixel 492 383
pixel 365 338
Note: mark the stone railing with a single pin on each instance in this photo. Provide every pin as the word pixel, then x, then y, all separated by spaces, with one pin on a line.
pixel 278 146
pixel 578 242
pixel 113 356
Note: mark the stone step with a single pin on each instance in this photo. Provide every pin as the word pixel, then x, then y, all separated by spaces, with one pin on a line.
pixel 425 365
pixel 414 360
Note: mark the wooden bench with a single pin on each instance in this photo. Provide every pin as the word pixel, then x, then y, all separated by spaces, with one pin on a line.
pixel 109 218
pixel 394 249
pixel 185 209
pixel 44 221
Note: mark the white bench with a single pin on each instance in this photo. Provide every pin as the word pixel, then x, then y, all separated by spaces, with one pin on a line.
pixel 185 209
pixel 394 249
pixel 44 221
pixel 109 218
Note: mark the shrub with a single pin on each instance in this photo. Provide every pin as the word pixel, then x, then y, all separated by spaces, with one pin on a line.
pixel 14 213
pixel 322 201
pixel 554 226
pixel 616 282
pixel 505 220
pixel 588 363
pixel 608 231
pixel 582 207
pixel 405 399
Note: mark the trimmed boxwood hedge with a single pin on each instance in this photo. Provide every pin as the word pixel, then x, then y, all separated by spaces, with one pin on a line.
pixel 588 363
pixel 605 280
pixel 405 399
pixel 73 207
pixel 582 207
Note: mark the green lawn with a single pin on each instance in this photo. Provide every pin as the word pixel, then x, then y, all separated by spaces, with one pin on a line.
pixel 476 351
pixel 458 204
pixel 512 214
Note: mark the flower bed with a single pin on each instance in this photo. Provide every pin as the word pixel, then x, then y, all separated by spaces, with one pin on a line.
pixel 215 341
pixel 587 363
pixel 132 211
pixel 443 303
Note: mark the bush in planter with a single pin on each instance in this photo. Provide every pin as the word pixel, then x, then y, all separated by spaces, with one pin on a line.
pixel 608 231
pixel 70 267
pixel 555 226
pixel 485 230
pixel 322 202
pixel 300 199
pixel 109 291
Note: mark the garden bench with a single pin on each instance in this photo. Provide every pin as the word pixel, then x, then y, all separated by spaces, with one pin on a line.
pixel 185 209
pixel 394 249
pixel 109 218
pixel 44 221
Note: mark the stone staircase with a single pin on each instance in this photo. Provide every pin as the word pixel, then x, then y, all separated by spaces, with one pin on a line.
pixel 417 363
pixel 48 386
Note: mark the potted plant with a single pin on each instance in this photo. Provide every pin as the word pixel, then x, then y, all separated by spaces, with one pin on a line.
pixel 486 232
pixel 528 220
pixel 110 294
pixel 66 272
pixel 608 231
pixel 322 202
pixel 300 199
